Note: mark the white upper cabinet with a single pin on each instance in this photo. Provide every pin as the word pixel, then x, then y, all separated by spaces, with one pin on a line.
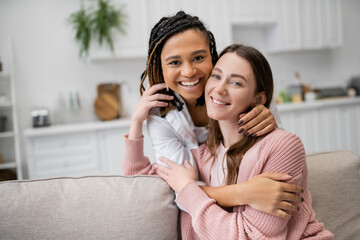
pixel 331 22
pixel 290 25
pixel 310 24
pixel 305 25
pixel 132 44
pixel 252 12
pixel 285 34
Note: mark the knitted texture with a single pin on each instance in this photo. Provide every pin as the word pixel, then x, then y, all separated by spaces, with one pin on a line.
pixel 135 163
pixel 279 151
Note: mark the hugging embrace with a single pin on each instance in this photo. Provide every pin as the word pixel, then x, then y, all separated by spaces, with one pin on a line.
pixel 209 122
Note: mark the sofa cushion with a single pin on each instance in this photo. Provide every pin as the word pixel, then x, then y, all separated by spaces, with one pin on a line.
pixel 96 207
pixel 334 183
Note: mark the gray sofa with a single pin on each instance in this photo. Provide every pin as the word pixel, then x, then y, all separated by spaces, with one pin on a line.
pixel 142 207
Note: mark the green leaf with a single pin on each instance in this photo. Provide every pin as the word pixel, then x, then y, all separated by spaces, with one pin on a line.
pixel 100 24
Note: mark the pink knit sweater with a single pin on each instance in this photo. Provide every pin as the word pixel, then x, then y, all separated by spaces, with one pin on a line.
pixel 278 151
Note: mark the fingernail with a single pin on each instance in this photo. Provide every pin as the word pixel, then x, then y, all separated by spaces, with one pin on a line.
pixel 247 133
pixel 302 199
pixel 254 135
pixel 240 130
pixel 290 174
pixel 240 122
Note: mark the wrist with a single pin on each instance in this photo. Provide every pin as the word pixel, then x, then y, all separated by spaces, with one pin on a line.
pixel 135 131
pixel 241 190
pixel 136 120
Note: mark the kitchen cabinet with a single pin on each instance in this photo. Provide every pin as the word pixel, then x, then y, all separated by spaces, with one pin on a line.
pixel 290 25
pixel 95 148
pixel 252 12
pixel 67 154
pixel 324 125
pixel 305 25
pixel 9 136
pixel 331 22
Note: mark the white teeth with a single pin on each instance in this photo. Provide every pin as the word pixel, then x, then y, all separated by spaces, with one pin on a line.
pixel 190 83
pixel 218 102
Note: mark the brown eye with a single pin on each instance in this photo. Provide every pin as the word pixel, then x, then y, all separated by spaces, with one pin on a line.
pixel 174 63
pixel 198 58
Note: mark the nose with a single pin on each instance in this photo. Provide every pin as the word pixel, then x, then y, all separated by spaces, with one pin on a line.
pixel 220 87
pixel 188 70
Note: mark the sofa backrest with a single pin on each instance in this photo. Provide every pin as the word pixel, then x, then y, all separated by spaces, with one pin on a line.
pixel 334 183
pixel 97 207
pixel 142 207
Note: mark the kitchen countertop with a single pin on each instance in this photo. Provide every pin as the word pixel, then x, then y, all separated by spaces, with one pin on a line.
pixel 288 107
pixel 125 122
pixel 77 127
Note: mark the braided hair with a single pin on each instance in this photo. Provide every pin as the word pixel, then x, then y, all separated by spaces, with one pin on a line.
pixel 162 31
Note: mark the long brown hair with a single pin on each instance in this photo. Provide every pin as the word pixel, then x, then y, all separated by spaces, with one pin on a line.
pixel 162 31
pixel 264 83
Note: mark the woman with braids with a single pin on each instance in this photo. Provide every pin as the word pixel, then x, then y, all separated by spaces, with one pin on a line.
pixel 185 66
pixel 174 136
pixel 240 79
pixel 182 53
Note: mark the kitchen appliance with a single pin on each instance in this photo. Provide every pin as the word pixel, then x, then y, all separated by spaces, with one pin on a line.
pixel 40 117
pixel 355 84
pixel 330 92
pixel 3 120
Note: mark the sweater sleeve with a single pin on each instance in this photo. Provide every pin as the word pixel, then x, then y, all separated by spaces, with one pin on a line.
pixel 212 222
pixel 134 162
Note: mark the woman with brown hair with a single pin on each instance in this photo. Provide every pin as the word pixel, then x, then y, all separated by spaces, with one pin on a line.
pixel 240 80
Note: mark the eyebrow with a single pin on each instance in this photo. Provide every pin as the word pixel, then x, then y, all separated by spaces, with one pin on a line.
pixel 192 54
pixel 232 75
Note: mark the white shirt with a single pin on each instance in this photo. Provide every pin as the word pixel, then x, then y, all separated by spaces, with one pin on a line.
pixel 175 135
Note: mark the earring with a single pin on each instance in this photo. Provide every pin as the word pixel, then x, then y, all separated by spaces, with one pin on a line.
pixel 167 88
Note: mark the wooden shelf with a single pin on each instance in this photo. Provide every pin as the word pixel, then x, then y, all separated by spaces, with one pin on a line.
pixel 4 75
pixel 5 104
pixel 135 54
pixel 6 134
pixel 7 165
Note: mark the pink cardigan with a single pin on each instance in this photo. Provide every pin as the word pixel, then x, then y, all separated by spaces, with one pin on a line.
pixel 278 151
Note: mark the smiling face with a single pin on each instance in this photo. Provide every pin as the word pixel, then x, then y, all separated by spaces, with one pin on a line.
pixel 186 64
pixel 231 88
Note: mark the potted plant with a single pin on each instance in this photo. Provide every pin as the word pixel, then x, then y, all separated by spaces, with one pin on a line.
pixel 98 23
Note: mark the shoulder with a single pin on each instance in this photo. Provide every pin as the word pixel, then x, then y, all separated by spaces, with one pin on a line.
pixel 280 151
pixel 157 123
pixel 280 143
pixel 279 137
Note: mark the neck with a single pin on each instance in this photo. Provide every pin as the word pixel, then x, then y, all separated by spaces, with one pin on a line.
pixel 190 103
pixel 229 130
